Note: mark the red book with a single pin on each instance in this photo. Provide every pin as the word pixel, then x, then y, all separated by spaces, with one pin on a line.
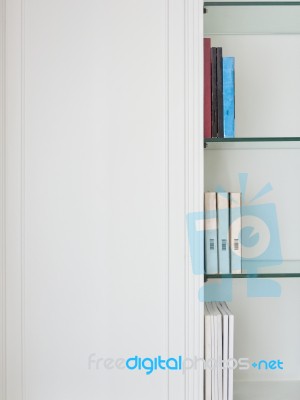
pixel 207 89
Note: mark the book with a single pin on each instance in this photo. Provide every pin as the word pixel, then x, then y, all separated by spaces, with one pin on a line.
pixel 219 351
pixel 235 233
pixel 220 118
pixel 207 353
pixel 214 93
pixel 219 356
pixel 214 352
pixel 223 232
pixel 229 97
pixel 225 343
pixel 210 234
pixel 207 88
pixel 230 348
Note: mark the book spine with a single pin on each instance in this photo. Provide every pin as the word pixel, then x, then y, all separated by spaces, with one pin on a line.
pixel 225 337
pixel 214 351
pixel 223 232
pixel 219 357
pixel 220 117
pixel 207 88
pixel 208 353
pixel 214 94
pixel 230 348
pixel 210 224
pixel 231 355
pixel 228 97
pixel 235 233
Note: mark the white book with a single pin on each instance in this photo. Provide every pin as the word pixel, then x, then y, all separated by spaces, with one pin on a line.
pixel 235 216
pixel 210 225
pixel 225 331
pixel 217 340
pixel 218 320
pixel 223 232
pixel 213 353
pixel 207 353
pixel 230 349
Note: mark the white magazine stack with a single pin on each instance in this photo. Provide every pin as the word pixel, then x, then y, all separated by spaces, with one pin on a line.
pixel 219 341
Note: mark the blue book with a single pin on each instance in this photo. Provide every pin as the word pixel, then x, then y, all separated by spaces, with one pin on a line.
pixel 210 237
pixel 228 97
pixel 223 232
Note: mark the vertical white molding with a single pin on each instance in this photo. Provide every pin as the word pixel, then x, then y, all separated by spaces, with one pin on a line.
pixel 185 188
pixel 194 184
pixel 167 186
pixel 23 174
pixel 2 209
pixel 13 198
pixel 167 180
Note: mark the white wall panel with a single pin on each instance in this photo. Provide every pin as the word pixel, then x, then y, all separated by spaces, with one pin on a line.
pixel 101 165
pixel 96 222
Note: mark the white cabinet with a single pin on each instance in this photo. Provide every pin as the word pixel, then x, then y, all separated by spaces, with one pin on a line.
pixel 100 130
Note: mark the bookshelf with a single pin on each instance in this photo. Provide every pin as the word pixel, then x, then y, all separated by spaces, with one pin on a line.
pixel 264 38
pixel 286 269
pixel 252 143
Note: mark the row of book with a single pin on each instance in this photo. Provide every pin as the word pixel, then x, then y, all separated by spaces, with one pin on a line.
pixel 222 235
pixel 218 351
pixel 219 93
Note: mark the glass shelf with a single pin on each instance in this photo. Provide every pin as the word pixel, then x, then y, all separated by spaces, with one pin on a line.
pixel 252 143
pixel 251 18
pixel 250 3
pixel 286 269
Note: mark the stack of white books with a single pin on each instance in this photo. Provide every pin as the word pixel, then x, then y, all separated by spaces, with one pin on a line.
pixel 223 228
pixel 218 351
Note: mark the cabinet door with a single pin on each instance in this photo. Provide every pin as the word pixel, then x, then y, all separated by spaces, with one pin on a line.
pixel 94 203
